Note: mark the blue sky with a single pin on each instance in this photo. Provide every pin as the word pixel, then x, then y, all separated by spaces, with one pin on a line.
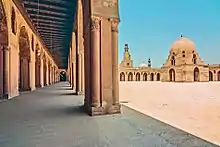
pixel 151 26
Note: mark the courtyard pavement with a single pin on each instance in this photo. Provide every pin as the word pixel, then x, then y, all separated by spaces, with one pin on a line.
pixel 52 117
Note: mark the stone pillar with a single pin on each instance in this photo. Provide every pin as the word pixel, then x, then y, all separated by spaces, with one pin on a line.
pixel 6 90
pixel 41 72
pixel 79 74
pixel 95 64
pixel 115 85
pixel 82 74
pixel 47 74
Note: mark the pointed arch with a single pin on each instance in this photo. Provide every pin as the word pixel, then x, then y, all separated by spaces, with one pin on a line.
pixel 130 76
pixel 3 51
pixel 196 74
pixel 122 76
pixel 138 76
pixel 158 76
pixel 145 77
pixel 210 76
pixel 172 75
pixel 218 75
pixel 152 76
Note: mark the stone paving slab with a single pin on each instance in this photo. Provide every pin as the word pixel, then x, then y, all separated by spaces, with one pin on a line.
pixel 51 117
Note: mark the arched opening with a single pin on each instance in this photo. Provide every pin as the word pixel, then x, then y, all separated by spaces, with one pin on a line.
pixel 158 76
pixel 24 58
pixel 145 77
pixel 194 59
pixel 3 52
pixel 130 77
pixel 210 76
pixel 13 21
pixel 173 60
pixel 37 66
pixel 172 75
pixel 196 74
pixel 138 77
pixel 122 76
pixel 152 76
pixel 62 76
pixel 218 74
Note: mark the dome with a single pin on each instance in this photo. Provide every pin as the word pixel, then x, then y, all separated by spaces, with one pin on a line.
pixel 184 44
pixel 143 65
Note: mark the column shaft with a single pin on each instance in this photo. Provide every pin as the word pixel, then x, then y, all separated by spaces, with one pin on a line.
pixel 115 61
pixel 95 62
pixel 5 71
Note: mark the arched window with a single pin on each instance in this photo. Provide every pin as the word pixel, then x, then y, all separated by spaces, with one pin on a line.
pixel 152 76
pixel 145 77
pixel 13 21
pixel 210 76
pixel 173 60
pixel 138 77
pixel 194 59
pixel 122 76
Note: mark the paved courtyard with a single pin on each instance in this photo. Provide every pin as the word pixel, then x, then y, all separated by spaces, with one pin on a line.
pixel 51 117
pixel 192 107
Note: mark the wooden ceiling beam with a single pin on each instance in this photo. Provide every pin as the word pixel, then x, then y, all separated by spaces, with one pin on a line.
pixel 47 12
pixel 45 5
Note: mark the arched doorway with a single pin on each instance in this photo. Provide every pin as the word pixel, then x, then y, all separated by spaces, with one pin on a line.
pixel 122 76
pixel 138 77
pixel 62 76
pixel 172 75
pixel 24 58
pixel 3 53
pixel 218 75
pixel 158 76
pixel 145 77
pixel 152 76
pixel 196 74
pixel 130 77
pixel 210 76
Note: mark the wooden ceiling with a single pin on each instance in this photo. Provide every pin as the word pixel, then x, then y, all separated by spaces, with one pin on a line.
pixel 53 19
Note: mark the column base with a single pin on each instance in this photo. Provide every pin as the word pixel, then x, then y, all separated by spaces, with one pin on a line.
pixel 95 111
pixel 4 97
pixel 80 93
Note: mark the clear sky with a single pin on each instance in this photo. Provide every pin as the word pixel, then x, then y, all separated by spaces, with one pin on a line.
pixel 151 26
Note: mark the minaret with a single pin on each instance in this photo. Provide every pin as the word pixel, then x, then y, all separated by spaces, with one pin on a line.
pixel 127 55
pixel 149 62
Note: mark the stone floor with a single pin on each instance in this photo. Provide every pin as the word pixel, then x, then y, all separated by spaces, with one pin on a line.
pixel 51 117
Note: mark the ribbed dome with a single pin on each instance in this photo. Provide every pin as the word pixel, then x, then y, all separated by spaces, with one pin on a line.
pixel 183 44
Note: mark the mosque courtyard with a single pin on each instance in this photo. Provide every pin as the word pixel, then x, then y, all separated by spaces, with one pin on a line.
pixel 192 107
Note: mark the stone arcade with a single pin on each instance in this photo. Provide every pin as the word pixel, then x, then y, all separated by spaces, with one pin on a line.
pixel 33 46
pixel 182 65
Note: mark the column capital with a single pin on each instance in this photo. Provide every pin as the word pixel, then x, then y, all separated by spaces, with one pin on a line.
pixel 114 24
pixel 5 48
pixel 95 23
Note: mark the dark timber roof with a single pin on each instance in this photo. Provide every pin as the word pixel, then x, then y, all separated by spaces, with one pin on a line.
pixel 53 19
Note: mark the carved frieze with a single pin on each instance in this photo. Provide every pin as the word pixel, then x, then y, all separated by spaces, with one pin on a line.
pixel 105 8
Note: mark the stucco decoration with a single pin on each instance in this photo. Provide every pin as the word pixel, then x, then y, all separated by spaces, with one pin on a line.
pixel 3 26
pixel 105 8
